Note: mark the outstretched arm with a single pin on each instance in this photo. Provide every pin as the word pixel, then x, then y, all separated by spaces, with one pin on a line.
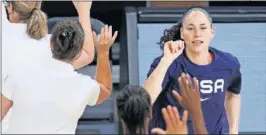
pixel 87 54
pixel 103 70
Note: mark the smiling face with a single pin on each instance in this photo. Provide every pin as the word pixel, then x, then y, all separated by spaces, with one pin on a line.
pixel 197 31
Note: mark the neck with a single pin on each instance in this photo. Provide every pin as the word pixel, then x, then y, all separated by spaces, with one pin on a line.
pixel 202 58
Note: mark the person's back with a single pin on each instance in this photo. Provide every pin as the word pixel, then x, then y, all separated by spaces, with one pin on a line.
pixel 24 36
pixel 51 101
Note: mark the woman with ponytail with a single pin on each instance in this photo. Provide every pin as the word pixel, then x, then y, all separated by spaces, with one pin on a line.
pixel 45 92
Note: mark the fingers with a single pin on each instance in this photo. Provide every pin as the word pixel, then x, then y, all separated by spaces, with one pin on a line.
pixel 158 131
pixel 172 116
pixel 185 116
pixel 196 84
pixel 94 37
pixel 189 84
pixel 114 37
pixel 176 114
pixel 167 45
pixel 106 33
pixel 102 34
pixel 166 117
pixel 177 96
pixel 186 81
pixel 110 32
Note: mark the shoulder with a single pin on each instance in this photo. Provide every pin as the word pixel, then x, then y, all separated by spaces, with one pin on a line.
pixel 228 58
pixel 88 83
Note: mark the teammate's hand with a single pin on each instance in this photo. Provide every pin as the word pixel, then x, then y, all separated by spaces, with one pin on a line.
pixel 82 7
pixel 190 96
pixel 106 39
pixel 173 123
pixel 172 49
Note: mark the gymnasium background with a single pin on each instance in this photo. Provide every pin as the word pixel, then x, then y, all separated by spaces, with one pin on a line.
pixel 240 30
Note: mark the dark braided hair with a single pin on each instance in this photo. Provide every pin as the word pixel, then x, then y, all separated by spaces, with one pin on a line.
pixel 174 32
pixel 133 105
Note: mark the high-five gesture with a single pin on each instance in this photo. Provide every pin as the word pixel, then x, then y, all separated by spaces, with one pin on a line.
pixel 106 39
pixel 190 100
pixel 173 123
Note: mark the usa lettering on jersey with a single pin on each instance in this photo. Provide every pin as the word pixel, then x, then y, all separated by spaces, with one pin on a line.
pixel 210 86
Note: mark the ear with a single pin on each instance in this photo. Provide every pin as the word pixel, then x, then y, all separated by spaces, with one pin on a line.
pixel 10 9
pixel 182 33
pixel 212 32
pixel 51 44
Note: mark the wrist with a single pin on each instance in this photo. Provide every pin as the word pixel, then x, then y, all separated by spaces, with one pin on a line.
pixel 233 130
pixel 166 61
pixel 103 52
pixel 196 114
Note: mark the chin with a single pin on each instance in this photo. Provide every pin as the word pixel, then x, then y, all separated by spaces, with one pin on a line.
pixel 197 49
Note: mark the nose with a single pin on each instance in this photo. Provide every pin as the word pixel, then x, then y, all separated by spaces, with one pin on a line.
pixel 197 33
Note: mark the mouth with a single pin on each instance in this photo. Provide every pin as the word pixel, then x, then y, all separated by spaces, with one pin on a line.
pixel 197 42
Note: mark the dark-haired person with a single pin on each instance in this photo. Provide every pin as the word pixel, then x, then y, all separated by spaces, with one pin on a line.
pixel 133 106
pixel 218 73
pixel 25 40
pixel 25 23
pixel 50 99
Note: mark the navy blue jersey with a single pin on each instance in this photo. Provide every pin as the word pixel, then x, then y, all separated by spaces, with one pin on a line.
pixel 221 75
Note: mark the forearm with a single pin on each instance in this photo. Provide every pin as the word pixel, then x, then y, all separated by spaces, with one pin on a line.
pixel 154 82
pixel 232 106
pixel 88 44
pixel 198 123
pixel 103 70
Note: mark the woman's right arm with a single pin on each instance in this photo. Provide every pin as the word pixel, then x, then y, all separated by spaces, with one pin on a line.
pixel 103 70
pixel 154 82
pixel 88 52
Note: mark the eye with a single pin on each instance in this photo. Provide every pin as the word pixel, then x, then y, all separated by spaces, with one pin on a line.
pixel 203 28
pixel 189 28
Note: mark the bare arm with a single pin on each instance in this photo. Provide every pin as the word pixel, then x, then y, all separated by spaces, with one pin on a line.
pixel 103 70
pixel 87 55
pixel 6 104
pixel 190 100
pixel 198 123
pixel 232 107
pixel 154 82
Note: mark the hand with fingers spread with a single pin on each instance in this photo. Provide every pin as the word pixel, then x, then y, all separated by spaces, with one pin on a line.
pixel 173 123
pixel 190 100
pixel 106 39
pixel 172 49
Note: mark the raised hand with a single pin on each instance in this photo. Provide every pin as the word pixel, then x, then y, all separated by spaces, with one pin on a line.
pixel 106 39
pixel 173 123
pixel 190 96
pixel 190 100
pixel 172 49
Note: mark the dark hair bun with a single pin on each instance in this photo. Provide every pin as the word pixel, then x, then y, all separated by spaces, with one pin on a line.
pixel 67 39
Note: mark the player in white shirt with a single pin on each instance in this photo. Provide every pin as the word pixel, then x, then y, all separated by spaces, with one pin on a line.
pixel 50 97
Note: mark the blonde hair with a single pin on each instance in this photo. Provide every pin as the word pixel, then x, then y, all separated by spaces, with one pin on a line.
pixel 31 14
